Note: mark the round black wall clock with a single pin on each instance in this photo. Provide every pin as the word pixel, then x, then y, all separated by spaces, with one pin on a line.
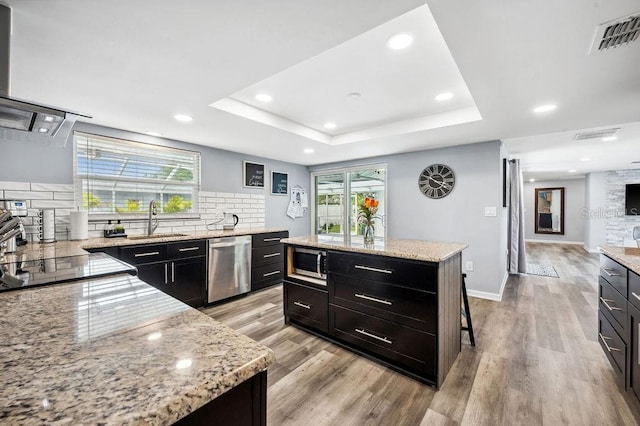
pixel 436 181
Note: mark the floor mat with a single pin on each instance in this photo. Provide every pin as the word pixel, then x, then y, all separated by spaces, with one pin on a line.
pixel 543 270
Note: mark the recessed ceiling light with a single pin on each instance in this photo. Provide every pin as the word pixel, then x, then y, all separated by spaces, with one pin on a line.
pixel 585 159
pixel 263 97
pixel 444 96
pixel 154 134
pixel 545 108
pixel 400 41
pixel 609 139
pixel 309 151
pixel 354 96
pixel 43 130
pixel 48 118
pixel 182 117
pixel 572 171
pixel 532 180
pixel 329 125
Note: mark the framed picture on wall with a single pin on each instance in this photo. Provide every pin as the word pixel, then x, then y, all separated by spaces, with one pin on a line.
pixel 279 183
pixel 252 175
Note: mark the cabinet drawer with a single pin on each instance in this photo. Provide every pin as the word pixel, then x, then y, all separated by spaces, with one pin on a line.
pixel 614 273
pixel 399 304
pixel 409 347
pixel 306 305
pixel 267 255
pixel 272 238
pixel 613 346
pixel 634 289
pixel 136 255
pixel 273 272
pixel 187 249
pixel 613 303
pixel 418 275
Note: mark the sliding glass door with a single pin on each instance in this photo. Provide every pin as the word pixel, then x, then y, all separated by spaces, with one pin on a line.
pixel 339 194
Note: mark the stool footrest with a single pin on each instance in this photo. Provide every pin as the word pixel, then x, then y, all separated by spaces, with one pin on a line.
pixel 466 313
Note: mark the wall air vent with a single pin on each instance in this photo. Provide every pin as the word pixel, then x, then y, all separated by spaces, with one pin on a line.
pixel 596 134
pixel 616 33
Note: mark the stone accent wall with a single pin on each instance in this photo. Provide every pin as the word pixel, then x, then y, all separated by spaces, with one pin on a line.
pixel 619 228
pixel 250 209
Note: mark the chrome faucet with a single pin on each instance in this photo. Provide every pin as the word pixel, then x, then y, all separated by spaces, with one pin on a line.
pixel 153 213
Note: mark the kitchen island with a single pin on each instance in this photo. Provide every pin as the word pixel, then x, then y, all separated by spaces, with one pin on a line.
pixel 118 351
pixel 394 301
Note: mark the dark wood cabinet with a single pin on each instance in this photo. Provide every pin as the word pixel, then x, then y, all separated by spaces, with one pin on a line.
pixel 403 313
pixel 187 279
pixel 267 259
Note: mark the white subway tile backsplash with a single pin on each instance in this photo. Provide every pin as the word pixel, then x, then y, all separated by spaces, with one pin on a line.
pixel 53 187
pixel 28 195
pixel 51 204
pixel 64 196
pixel 15 186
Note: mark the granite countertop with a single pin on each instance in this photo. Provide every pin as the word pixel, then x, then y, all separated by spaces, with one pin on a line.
pixel 33 251
pixel 627 256
pixel 430 251
pixel 114 351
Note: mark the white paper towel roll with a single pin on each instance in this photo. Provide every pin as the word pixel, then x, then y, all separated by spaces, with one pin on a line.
pixel 47 225
pixel 79 225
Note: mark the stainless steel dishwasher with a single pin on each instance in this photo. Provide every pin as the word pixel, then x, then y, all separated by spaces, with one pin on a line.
pixel 229 268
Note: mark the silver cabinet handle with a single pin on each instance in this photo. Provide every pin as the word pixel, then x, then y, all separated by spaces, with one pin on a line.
pixel 151 253
pixel 271 255
pixel 189 249
pixel 382 339
pixel 604 340
pixel 603 300
pixel 611 272
pixel 373 299
pixel 270 239
pixel 165 274
pixel 173 272
pixel 268 274
pixel 635 295
pixel 302 305
pixel 369 268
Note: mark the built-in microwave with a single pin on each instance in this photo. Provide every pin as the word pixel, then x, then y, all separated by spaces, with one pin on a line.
pixel 310 263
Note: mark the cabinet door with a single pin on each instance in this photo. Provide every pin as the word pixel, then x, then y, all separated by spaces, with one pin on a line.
pixel 187 280
pixel 155 274
pixel 634 346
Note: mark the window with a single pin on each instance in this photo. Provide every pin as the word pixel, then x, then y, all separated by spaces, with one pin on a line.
pixel 120 176
pixel 338 194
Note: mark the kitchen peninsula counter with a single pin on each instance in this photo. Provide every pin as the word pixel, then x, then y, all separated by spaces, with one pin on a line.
pixel 627 256
pixel 428 251
pixel 115 351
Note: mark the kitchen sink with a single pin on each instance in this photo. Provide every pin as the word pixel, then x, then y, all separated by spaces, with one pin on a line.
pixel 154 236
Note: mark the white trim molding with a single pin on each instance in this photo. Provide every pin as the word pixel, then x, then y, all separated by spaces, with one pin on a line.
pixel 554 241
pixel 490 296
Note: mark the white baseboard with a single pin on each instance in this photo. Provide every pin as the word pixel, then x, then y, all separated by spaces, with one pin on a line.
pixel 590 250
pixel 490 296
pixel 555 242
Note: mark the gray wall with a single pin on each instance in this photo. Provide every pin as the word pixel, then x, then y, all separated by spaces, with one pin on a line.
pixel 595 212
pixel 459 216
pixel 221 170
pixel 574 202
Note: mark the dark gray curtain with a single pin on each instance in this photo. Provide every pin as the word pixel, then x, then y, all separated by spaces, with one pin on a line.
pixel 517 255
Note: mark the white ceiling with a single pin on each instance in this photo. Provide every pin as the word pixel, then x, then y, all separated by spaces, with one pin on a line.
pixel 133 65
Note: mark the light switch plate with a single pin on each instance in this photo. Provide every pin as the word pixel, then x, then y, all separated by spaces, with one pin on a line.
pixel 469 265
pixel 490 211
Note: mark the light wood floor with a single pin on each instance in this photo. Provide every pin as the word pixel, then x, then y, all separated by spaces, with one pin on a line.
pixel 537 361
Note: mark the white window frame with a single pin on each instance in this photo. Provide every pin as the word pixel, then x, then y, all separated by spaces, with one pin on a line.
pixel 79 179
pixel 347 194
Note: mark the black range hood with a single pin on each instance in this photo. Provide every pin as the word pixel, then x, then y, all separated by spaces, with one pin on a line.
pixel 17 115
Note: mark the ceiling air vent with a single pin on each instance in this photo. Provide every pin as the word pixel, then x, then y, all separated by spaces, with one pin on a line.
pixel 596 134
pixel 616 33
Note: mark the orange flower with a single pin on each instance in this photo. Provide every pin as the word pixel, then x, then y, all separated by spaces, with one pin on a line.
pixel 374 203
pixel 367 202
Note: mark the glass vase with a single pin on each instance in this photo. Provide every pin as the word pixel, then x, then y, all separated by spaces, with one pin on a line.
pixel 369 232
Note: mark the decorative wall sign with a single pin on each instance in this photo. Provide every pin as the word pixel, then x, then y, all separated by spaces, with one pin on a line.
pixel 253 175
pixel 279 183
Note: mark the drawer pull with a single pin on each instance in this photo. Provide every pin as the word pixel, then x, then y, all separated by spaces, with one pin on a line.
pixel 189 249
pixel 369 268
pixel 382 339
pixel 271 255
pixel 603 300
pixel 611 272
pixel 173 272
pixel 266 240
pixel 302 305
pixel 151 253
pixel 635 295
pixel 604 340
pixel 268 274
pixel 373 299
